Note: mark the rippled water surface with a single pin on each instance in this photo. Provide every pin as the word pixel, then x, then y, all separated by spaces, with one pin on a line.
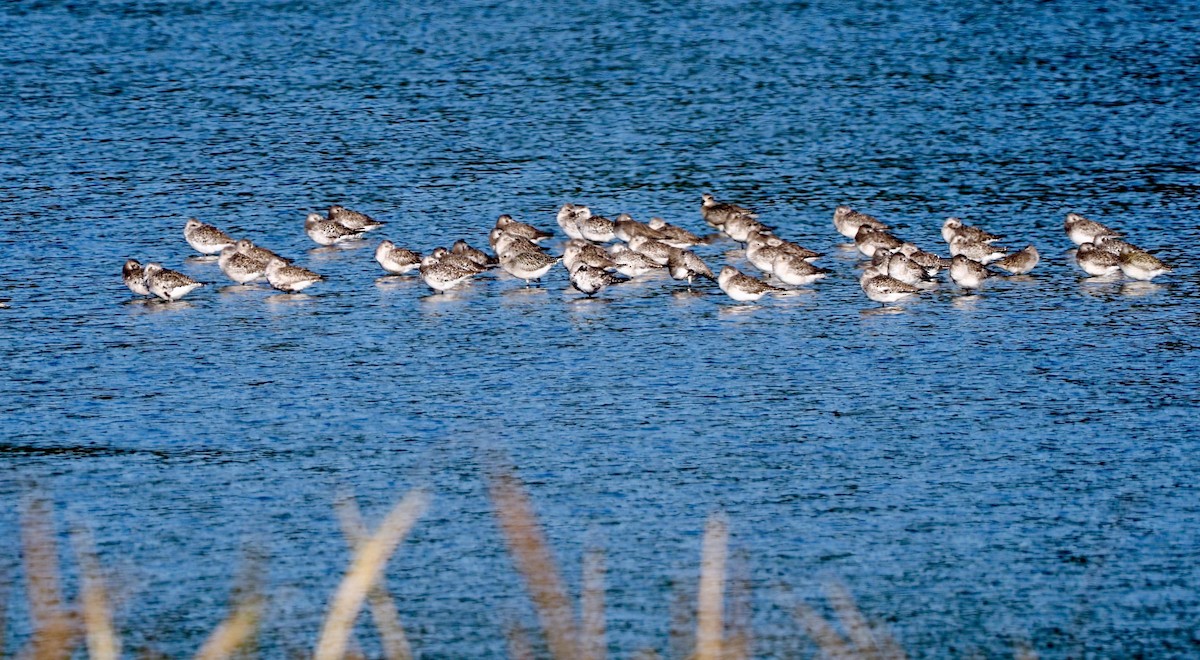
pixel 1020 464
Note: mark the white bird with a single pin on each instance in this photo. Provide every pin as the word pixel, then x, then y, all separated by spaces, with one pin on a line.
pixel 743 288
pixel 135 277
pixel 953 227
pixel 1081 230
pixel 847 221
pixel 396 260
pixel 794 270
pixel 292 279
pixel 884 289
pixel 1096 262
pixel 984 253
pixel 673 235
pixel 716 214
pixel 360 222
pixel 206 239
pixel 327 232
pixel 589 280
pixel 442 277
pixel 239 267
pixel 869 239
pixel 632 263
pixel 248 248
pixel 529 266
pixel 568 219
pixel 597 229
pixel 685 265
pixel 506 223
pixel 1142 265
pixel 1019 263
pixel 968 273
pixel 168 284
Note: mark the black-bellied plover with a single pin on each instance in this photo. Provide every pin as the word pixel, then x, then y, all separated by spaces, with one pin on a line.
pixel 360 222
pixel 984 253
pixel 884 289
pixel 288 278
pixel 580 252
pixel 1142 265
pixel 673 235
pixel 658 251
pixel 167 284
pixel 206 239
pixel 869 239
pixel 248 248
pixel 506 223
pixel 568 219
pixel 741 287
pixel 968 273
pixel 328 232
pixel 474 254
pixel 1096 262
pixel 1081 230
pixel 459 261
pixel 135 277
pixel 528 266
pixel 396 260
pixel 686 265
pixel 847 221
pixel 590 280
pixel 630 262
pixel 625 228
pixel 442 277
pixel 716 214
pixel 795 270
pixel 239 267
pixel 1019 263
pixel 953 227
pixel 597 229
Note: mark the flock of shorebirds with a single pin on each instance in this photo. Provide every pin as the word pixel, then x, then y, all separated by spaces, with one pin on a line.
pixel 897 269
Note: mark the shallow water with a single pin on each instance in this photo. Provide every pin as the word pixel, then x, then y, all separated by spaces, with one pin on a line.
pixel 1018 464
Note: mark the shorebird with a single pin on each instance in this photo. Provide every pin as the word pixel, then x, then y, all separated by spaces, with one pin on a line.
pixel 478 256
pixel 953 227
pixel 625 228
pixel 847 221
pixel 869 239
pixel 597 229
pixel 206 239
pixel 1142 265
pixel 443 277
pixel 931 262
pixel 246 247
pixel 168 284
pixel 795 270
pixel 1113 245
pixel 589 280
pixel 656 250
pixel 239 267
pixel 579 252
pixel 672 235
pixel 292 279
pixel 396 260
pixel 135 277
pixel 1096 262
pixel 568 219
pixel 685 265
pixel 327 232
pixel 506 242
pixel 360 222
pixel 884 289
pixel 968 273
pixel 740 227
pixel 716 214
pixel 902 267
pixel 743 288
pixel 761 250
pixel 506 223
pixel 528 266
pixel 1081 230
pixel 632 263
pixel 459 261
pixel 1019 263
pixel 984 253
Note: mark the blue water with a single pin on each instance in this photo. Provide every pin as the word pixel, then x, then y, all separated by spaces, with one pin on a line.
pixel 1019 465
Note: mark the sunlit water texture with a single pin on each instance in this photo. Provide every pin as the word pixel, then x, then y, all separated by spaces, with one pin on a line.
pixel 1019 464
